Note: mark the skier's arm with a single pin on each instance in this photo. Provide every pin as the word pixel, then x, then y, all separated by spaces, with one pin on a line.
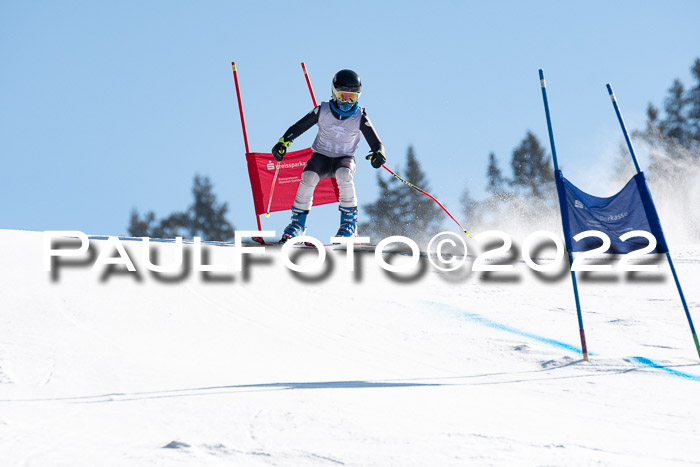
pixel 306 122
pixel 370 134
pixel 376 155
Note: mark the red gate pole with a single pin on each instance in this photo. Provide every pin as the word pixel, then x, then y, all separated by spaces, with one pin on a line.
pixel 245 133
pixel 308 83
pixel 240 107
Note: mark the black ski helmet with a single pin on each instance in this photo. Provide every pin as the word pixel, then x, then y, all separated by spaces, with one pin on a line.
pixel 345 92
pixel 347 80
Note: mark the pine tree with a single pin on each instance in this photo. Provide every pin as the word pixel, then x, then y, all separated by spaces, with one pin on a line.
pixel 652 116
pixel 205 218
pixel 675 124
pixel 384 213
pixel 422 216
pixel 672 138
pixel 175 225
pixel 141 227
pixel 470 208
pixel 676 135
pixel 531 169
pixel 693 101
pixel 494 176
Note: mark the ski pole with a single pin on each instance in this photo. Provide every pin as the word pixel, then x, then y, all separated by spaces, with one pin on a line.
pixel 274 179
pixel 277 169
pixel 272 190
pixel 419 190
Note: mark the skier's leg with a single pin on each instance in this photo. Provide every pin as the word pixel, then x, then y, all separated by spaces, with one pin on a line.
pixel 344 175
pixel 305 194
pixel 346 187
pixel 348 222
pixel 297 226
pixel 314 170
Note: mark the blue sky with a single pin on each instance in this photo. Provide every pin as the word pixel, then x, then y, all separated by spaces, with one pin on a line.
pixel 109 106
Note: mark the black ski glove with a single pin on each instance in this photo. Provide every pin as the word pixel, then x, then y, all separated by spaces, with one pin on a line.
pixel 376 158
pixel 280 149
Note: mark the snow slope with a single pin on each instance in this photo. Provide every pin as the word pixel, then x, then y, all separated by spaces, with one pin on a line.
pixel 365 369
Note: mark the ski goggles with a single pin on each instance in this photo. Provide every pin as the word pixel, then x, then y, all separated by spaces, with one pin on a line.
pixel 347 96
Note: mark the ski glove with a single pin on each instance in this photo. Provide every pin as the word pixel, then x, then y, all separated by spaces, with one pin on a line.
pixel 376 158
pixel 280 149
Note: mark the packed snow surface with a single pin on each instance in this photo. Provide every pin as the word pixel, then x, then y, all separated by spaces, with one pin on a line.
pixel 366 368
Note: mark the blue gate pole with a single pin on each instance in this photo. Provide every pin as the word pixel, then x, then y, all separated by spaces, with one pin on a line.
pixel 584 349
pixel 668 254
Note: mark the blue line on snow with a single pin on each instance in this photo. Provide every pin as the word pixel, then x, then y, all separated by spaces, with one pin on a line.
pixel 671 371
pixel 555 343
pixel 502 327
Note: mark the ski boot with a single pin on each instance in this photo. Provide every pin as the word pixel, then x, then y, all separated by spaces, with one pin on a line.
pixel 348 222
pixel 298 225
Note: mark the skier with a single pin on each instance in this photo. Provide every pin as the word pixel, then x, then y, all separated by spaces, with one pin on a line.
pixel 340 121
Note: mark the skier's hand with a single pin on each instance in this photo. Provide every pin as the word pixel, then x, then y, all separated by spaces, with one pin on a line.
pixel 376 158
pixel 280 149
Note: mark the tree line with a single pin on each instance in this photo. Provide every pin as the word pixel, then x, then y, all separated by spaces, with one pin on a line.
pixel 204 218
pixel 672 135
pixel 679 123
pixel 402 211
